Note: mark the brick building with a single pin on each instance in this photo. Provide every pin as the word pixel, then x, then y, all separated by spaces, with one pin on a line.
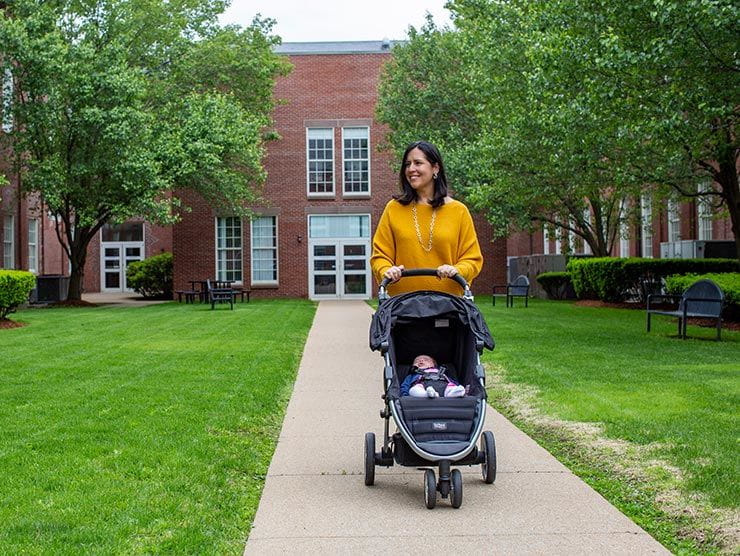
pixel 327 186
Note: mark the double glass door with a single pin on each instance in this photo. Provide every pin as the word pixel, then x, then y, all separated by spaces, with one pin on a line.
pixel 114 259
pixel 339 269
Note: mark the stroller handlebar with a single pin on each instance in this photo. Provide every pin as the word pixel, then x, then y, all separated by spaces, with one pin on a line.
pixel 425 272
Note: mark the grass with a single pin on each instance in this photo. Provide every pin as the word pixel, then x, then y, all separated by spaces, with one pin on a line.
pixel 142 430
pixel 659 414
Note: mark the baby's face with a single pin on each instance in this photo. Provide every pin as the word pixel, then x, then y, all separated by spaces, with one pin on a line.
pixel 424 362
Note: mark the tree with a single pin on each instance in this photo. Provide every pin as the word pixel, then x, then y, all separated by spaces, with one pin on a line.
pixel 120 104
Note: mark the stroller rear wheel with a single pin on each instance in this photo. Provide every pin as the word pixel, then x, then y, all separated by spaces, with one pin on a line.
pixel 369 458
pixel 488 467
pixel 456 488
pixel 430 489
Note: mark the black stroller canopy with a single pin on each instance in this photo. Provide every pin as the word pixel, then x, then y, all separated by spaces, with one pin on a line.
pixel 426 304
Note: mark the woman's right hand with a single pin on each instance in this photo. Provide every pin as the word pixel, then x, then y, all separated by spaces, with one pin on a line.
pixel 394 273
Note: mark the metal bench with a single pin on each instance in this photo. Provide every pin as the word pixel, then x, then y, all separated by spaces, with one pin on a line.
pixel 518 288
pixel 220 295
pixel 189 295
pixel 703 299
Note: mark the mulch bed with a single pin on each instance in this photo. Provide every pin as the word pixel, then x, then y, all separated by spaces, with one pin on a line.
pixel 726 324
pixel 6 324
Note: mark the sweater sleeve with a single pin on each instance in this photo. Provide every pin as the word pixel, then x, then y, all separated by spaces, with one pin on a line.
pixel 469 257
pixel 384 246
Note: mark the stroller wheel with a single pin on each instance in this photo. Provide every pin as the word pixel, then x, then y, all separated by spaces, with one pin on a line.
pixel 488 467
pixel 430 489
pixel 456 488
pixel 369 458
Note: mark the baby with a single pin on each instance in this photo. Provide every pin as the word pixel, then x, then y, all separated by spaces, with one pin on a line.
pixel 426 369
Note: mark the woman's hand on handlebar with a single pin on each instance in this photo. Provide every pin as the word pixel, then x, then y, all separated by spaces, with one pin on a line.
pixel 394 273
pixel 446 271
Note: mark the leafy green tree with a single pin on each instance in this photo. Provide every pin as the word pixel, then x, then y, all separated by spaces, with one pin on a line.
pixel 120 104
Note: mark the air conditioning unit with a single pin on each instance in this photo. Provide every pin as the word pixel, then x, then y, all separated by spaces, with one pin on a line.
pixel 698 249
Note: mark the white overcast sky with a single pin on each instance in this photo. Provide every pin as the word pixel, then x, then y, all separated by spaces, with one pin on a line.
pixel 338 20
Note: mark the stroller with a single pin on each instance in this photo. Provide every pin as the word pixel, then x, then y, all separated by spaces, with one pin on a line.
pixel 432 432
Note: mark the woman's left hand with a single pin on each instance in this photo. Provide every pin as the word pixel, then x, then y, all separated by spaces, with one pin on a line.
pixel 446 271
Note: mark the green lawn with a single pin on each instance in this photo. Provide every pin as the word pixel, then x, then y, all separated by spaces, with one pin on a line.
pixel 142 430
pixel 675 401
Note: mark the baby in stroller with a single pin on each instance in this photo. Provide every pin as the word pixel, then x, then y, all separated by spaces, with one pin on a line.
pixel 427 381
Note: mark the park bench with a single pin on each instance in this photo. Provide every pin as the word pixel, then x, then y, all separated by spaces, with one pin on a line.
pixel 518 288
pixel 219 294
pixel 703 299
pixel 189 295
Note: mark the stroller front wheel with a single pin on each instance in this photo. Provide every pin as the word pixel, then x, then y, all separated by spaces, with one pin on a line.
pixel 430 489
pixel 369 458
pixel 488 467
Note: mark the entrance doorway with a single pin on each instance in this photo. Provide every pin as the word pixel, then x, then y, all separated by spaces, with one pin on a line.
pixel 339 267
pixel 119 247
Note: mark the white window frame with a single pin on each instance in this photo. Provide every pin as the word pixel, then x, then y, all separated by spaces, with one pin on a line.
pixel 328 133
pixel 223 273
pixel 274 248
pixel 624 230
pixel 587 220
pixel 704 214
pixel 7 106
pixel 33 245
pixel 346 159
pixel 674 220
pixel 9 242
pixel 646 224
pixel 545 240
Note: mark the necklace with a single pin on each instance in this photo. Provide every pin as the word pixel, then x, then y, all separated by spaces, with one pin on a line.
pixel 426 248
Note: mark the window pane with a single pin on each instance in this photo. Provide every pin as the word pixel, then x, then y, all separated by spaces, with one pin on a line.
pixel 264 249
pixel 325 284
pixel 229 248
pixel 320 148
pixel 355 283
pixel 356 162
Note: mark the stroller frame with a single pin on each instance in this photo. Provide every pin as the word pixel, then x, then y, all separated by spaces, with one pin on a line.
pixel 403 448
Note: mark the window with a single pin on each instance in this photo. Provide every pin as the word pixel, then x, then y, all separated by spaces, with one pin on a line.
pixel 128 231
pixel 704 212
pixel 587 220
pixel 646 222
pixel 229 248
pixel 264 250
pixel 349 226
pixel 8 242
pixel 674 221
pixel 624 231
pixel 33 245
pixel 546 240
pixel 320 152
pixel 356 160
pixel 7 107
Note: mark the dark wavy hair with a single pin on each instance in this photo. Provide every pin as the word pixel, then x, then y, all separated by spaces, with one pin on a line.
pixel 431 153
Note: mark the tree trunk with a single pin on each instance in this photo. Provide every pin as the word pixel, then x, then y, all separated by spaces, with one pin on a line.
pixel 731 192
pixel 78 256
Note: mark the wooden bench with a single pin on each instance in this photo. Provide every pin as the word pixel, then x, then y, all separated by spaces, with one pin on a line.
pixel 189 295
pixel 703 299
pixel 518 288
pixel 220 295
pixel 242 292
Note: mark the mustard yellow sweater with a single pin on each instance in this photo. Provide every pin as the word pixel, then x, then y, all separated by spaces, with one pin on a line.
pixel 453 242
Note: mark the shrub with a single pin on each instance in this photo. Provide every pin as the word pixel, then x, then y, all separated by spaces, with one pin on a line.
pixel 15 287
pixel 615 279
pixel 152 277
pixel 555 284
pixel 729 283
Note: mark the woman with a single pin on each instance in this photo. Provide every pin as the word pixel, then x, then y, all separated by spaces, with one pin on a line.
pixel 425 228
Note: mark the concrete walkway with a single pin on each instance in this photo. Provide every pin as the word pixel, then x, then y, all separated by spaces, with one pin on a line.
pixel 124 299
pixel 315 500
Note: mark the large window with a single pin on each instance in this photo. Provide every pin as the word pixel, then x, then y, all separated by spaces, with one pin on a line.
pixel 624 230
pixel 674 221
pixel 8 242
pixel 229 248
pixel 646 221
pixel 264 250
pixel 704 212
pixel 7 106
pixel 320 154
pixel 33 245
pixel 356 142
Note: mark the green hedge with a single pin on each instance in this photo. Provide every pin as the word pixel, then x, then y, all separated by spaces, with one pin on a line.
pixel 616 279
pixel 555 284
pixel 15 287
pixel 152 277
pixel 728 282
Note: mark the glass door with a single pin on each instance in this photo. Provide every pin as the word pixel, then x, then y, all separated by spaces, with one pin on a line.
pixel 339 269
pixel 114 260
pixel 355 269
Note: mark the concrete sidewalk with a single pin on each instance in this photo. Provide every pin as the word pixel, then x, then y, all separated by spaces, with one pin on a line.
pixel 315 499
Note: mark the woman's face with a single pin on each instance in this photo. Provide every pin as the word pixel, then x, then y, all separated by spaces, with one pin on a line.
pixel 419 171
